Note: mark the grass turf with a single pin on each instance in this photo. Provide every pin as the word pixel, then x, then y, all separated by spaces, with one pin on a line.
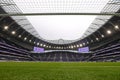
pixel 59 71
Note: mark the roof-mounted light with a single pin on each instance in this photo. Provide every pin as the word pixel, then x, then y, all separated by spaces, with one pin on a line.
pixel 6 27
pixel 109 32
pixel 13 32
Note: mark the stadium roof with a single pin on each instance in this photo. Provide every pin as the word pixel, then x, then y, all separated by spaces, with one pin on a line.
pixel 60 7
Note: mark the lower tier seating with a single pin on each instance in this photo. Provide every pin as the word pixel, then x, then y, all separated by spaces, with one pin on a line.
pixel 61 56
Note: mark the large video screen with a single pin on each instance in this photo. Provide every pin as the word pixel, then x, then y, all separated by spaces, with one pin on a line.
pixel 38 49
pixel 83 50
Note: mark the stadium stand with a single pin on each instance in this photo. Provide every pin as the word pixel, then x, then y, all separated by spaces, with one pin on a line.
pixel 61 56
pixel 11 51
pixel 110 52
pixel 18 36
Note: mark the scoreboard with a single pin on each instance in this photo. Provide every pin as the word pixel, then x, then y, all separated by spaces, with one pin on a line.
pixel 83 50
pixel 38 50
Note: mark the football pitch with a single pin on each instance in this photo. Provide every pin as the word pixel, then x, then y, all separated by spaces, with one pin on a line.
pixel 59 70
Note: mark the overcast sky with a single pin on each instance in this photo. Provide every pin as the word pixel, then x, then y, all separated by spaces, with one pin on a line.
pixel 61 27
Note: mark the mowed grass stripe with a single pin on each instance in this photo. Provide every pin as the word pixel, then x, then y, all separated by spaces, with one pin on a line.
pixel 59 71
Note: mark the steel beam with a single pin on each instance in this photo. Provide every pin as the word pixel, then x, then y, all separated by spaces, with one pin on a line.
pixel 42 14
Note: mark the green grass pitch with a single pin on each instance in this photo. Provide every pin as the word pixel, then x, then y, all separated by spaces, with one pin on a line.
pixel 59 70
